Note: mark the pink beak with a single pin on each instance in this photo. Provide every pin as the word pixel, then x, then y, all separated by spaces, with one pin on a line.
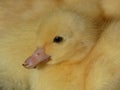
pixel 37 57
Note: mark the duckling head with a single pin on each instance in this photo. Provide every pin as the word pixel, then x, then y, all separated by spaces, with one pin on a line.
pixel 63 36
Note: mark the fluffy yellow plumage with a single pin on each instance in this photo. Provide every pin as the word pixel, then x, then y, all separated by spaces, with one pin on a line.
pixel 79 36
pixel 111 8
pixel 65 33
pixel 104 61
pixel 65 70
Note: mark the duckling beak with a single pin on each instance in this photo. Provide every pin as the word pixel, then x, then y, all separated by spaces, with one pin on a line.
pixel 36 58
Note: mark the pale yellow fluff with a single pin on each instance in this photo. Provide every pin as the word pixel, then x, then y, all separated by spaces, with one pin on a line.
pixel 104 61
pixel 64 71
pixel 92 8
pixel 111 8
pixel 27 10
pixel 19 22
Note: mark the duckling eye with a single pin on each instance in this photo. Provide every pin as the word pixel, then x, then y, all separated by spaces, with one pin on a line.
pixel 58 39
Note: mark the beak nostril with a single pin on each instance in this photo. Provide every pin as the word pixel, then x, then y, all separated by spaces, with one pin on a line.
pixel 38 53
pixel 24 65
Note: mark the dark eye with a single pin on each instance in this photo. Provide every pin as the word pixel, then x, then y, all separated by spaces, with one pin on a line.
pixel 58 39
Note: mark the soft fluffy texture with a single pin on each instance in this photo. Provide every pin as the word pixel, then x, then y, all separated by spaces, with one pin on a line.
pixel 104 60
pixel 62 72
pixel 111 8
pixel 66 70
pixel 15 47
pixel 20 22
pixel 92 8
pixel 29 10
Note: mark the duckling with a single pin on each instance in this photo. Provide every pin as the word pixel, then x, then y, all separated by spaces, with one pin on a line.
pixel 58 28
pixel 64 40
pixel 18 24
